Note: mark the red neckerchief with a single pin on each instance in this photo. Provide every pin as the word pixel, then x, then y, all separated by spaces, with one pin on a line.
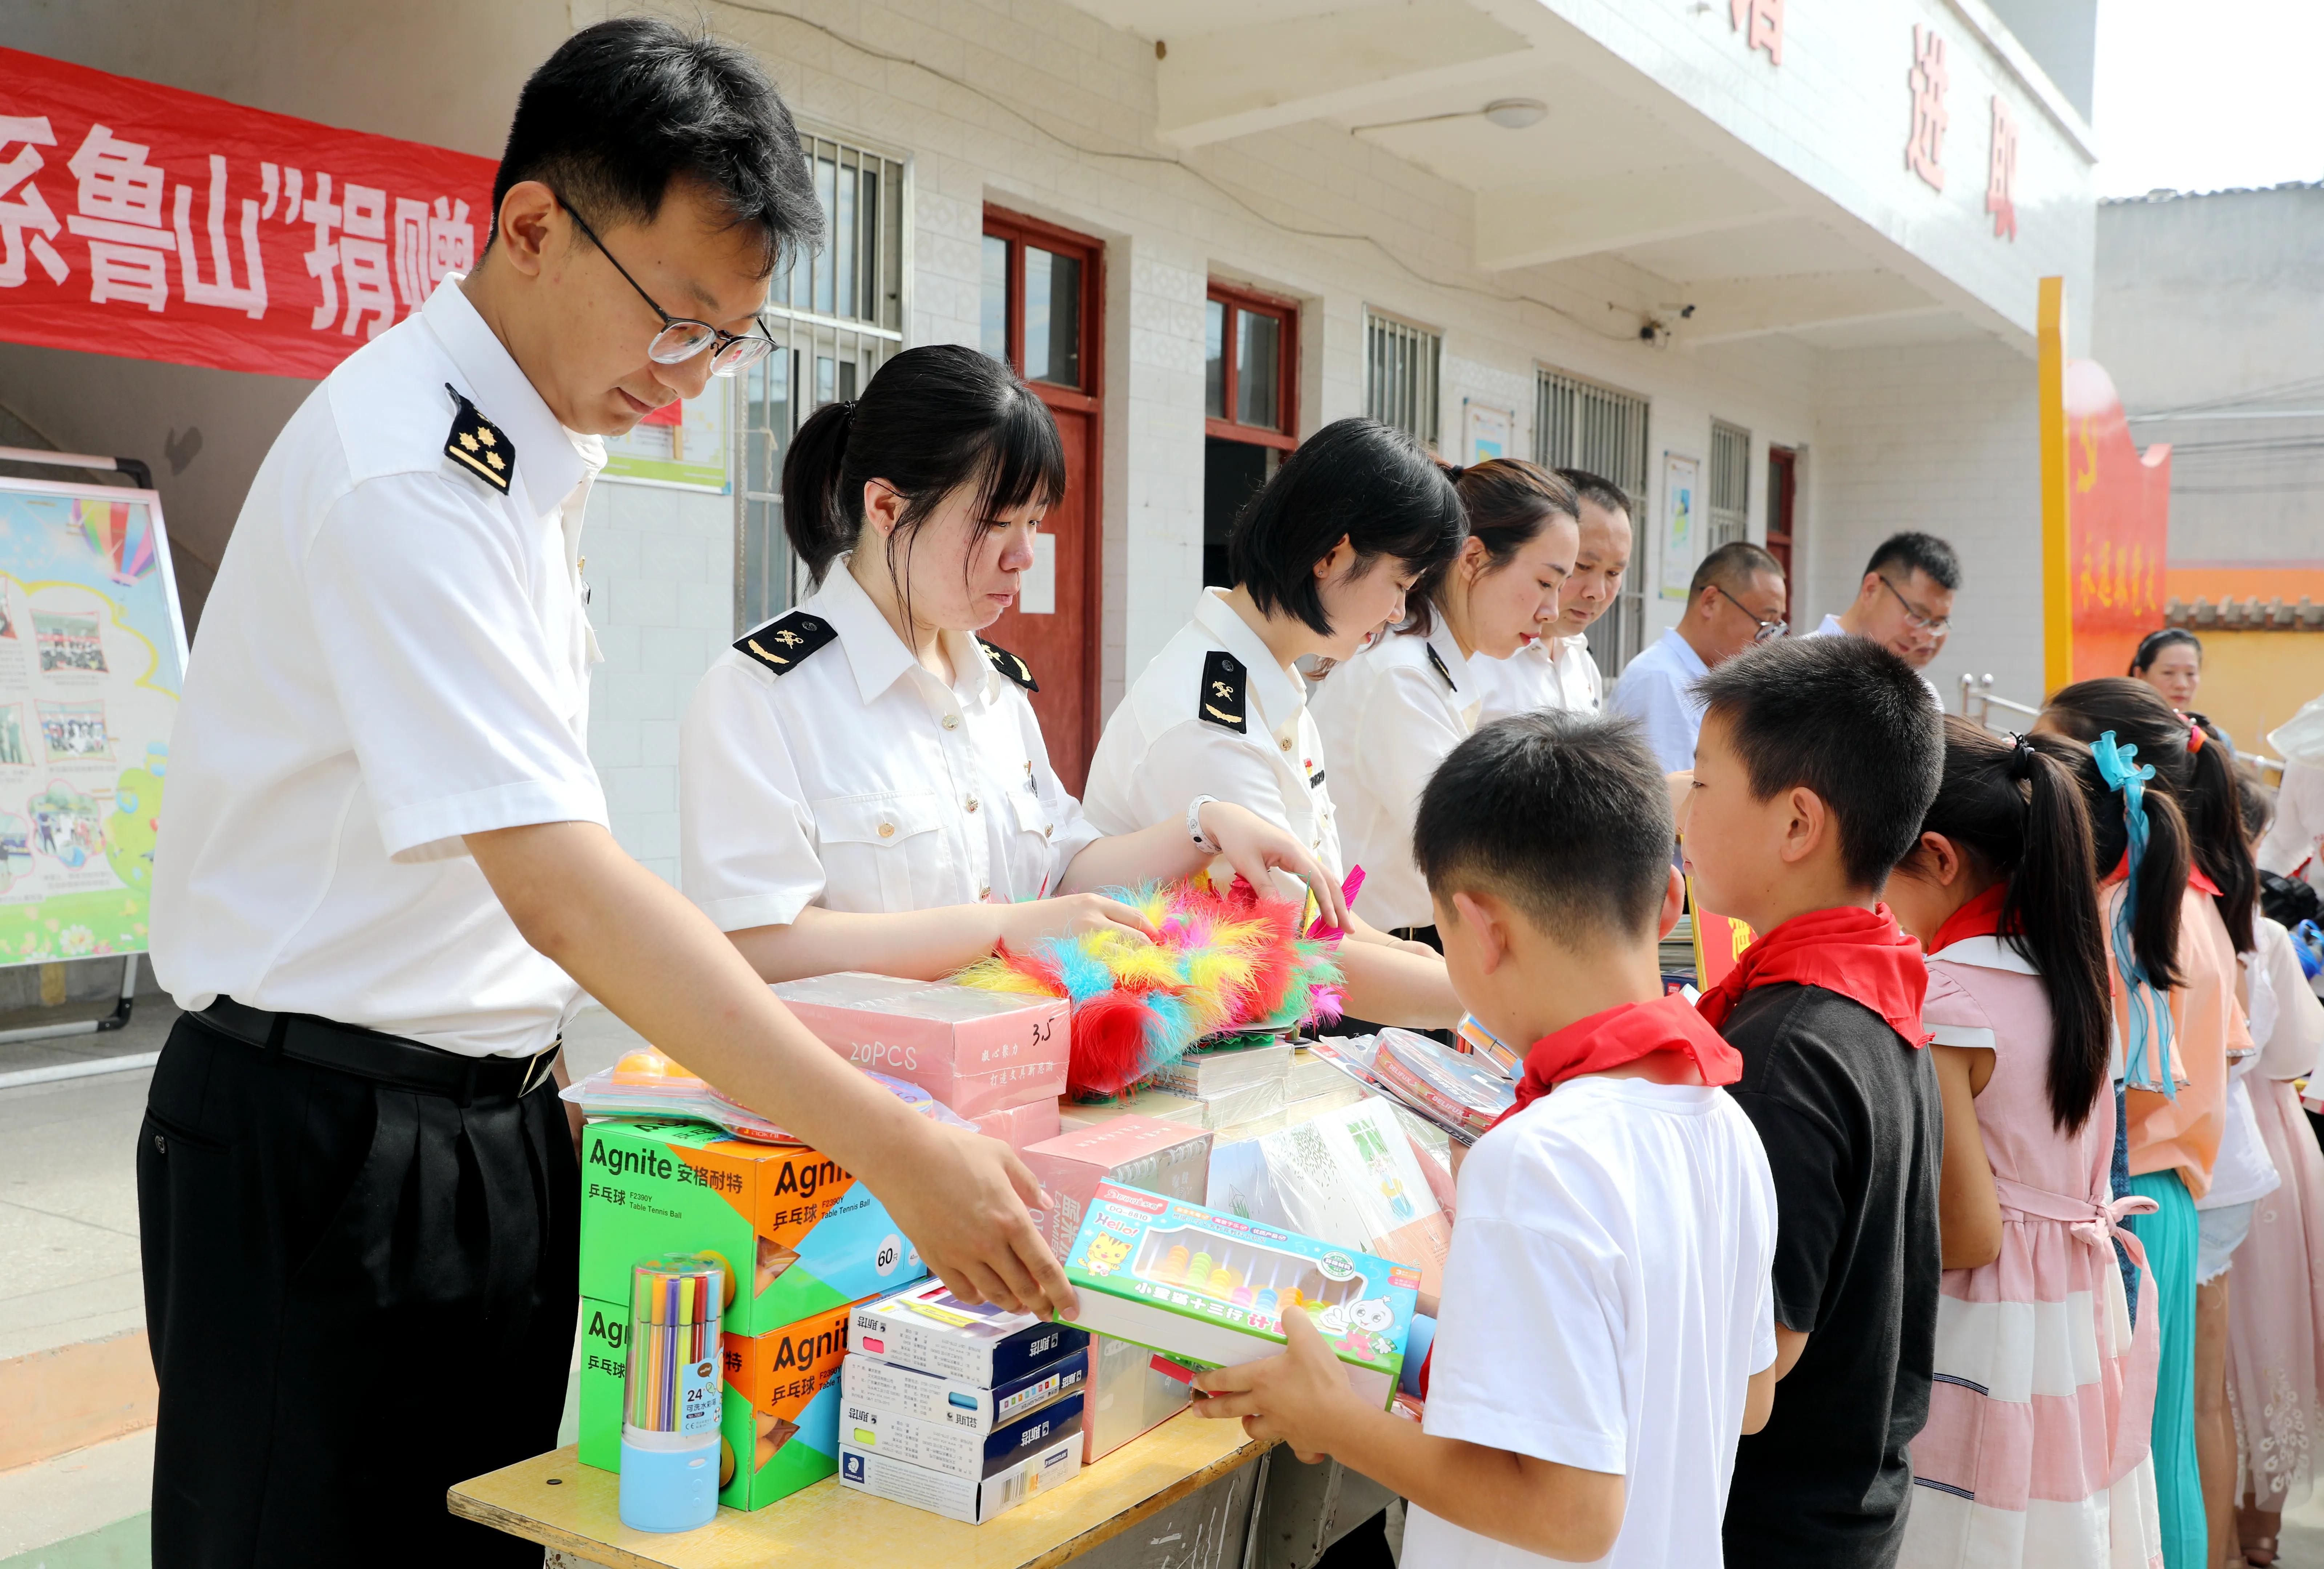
pixel 1620 1034
pixel 2196 879
pixel 1980 917
pixel 1858 952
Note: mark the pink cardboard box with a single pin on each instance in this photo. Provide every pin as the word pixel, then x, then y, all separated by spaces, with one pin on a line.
pixel 976 1051
pixel 1019 1126
pixel 1144 1152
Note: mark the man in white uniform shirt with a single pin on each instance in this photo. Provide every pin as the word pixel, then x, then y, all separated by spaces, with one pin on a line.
pixel 1904 603
pixel 1735 600
pixel 385 877
pixel 1556 670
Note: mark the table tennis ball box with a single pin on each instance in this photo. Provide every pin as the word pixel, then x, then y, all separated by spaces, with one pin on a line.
pixel 801 1235
pixel 1148 1153
pixel 976 1051
pixel 1134 1285
pixel 778 1424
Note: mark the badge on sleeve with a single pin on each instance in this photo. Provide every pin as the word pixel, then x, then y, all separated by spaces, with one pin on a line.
pixel 1010 666
pixel 479 446
pixel 1220 702
pixel 785 641
pixel 1435 660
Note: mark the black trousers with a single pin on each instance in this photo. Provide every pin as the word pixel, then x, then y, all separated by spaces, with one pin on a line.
pixel 357 1295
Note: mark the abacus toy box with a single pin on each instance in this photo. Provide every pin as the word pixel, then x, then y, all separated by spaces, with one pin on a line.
pixel 1135 1263
pixel 800 1234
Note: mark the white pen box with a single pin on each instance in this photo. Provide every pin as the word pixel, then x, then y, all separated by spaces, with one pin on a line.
pixel 939 1446
pixel 930 1329
pixel 866 1380
pixel 955 1497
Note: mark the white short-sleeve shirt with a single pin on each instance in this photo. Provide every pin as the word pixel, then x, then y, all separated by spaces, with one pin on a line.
pixel 1830 627
pixel 1606 1303
pixel 821 763
pixel 1657 690
pixel 1213 714
pixel 395 654
pixel 1388 717
pixel 1546 672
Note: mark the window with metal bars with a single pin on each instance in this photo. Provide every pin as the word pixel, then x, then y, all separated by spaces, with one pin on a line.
pixel 836 314
pixel 1579 424
pixel 1402 366
pixel 1729 515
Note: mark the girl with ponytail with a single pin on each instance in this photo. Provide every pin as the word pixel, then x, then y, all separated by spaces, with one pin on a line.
pixel 1392 712
pixel 862 783
pixel 2175 1129
pixel 2002 891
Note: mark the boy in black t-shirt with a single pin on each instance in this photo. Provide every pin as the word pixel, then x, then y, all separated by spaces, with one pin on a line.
pixel 1817 761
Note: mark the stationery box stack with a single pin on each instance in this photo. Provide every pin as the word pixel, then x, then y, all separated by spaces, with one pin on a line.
pixel 779 1427
pixel 800 1236
pixel 1212 1290
pixel 1165 1158
pixel 1215 1070
pixel 962 1411
pixel 998 1058
pixel 1227 1109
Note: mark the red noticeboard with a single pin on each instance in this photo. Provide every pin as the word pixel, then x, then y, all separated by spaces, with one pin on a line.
pixel 143 221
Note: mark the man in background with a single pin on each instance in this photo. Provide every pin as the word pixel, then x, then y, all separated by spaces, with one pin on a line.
pixel 1905 602
pixel 1555 670
pixel 1736 599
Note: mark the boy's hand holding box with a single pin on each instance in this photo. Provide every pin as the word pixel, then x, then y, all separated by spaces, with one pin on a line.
pixel 1212 1290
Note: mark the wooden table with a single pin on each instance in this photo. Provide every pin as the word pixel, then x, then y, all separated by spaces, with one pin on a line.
pixel 555 1501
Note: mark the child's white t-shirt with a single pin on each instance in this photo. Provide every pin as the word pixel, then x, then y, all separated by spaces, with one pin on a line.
pixel 1606 1302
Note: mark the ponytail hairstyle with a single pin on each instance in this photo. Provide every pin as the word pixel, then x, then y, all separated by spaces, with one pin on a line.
pixel 1508 502
pixel 934 419
pixel 2014 807
pixel 1358 479
pixel 2191 764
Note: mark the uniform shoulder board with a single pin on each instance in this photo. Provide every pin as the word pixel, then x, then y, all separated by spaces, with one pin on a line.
pixel 1436 659
pixel 1010 666
pixel 1221 700
pixel 479 446
pixel 784 641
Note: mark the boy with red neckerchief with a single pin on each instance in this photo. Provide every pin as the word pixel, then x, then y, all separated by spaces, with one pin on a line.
pixel 1607 1331
pixel 1818 760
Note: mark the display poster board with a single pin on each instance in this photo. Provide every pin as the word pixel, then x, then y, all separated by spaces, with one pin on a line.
pixel 683 444
pixel 92 660
pixel 1485 431
pixel 1681 478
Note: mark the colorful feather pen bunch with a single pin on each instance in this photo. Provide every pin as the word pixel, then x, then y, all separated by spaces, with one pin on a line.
pixel 1226 962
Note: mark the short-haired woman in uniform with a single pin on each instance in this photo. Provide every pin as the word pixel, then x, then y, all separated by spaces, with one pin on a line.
pixel 1322 558
pixel 863 784
pixel 1390 714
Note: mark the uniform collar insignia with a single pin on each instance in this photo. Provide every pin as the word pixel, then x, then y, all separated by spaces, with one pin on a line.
pixel 1009 664
pixel 784 641
pixel 1224 692
pixel 479 446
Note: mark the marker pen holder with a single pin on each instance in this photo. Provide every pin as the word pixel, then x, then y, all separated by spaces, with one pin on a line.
pixel 671 1394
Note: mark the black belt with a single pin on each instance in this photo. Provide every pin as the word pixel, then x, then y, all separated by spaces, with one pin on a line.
pixel 387 1059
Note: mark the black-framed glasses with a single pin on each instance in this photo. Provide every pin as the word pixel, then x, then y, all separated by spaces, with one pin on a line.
pixel 1916 618
pixel 1768 630
pixel 682 338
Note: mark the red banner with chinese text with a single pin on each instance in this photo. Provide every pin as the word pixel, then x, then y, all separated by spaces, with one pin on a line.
pixel 143 221
pixel 2118 527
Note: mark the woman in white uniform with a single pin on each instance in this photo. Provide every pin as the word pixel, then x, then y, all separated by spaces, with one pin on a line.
pixel 1388 716
pixel 863 784
pixel 1322 559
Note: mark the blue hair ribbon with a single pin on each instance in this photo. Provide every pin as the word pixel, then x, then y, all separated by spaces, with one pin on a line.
pixel 2149 1013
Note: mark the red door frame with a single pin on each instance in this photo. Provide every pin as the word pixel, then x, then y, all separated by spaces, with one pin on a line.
pixel 1238 298
pixel 1783 520
pixel 1017 228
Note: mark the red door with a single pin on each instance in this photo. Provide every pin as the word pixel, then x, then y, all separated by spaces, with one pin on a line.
pixel 1042 289
pixel 1783 495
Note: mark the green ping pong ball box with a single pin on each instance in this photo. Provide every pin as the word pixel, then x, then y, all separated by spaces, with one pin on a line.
pixel 778 1406
pixel 1210 1288
pixel 798 1234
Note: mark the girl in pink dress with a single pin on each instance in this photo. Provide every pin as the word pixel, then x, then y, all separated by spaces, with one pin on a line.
pixel 2275 1319
pixel 2035 1448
